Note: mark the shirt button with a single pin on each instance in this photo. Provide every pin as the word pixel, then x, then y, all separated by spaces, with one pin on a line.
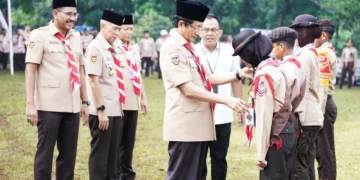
pixel 49 85
pixel 194 109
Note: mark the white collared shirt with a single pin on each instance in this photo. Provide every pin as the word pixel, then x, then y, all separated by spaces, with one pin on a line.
pixel 221 61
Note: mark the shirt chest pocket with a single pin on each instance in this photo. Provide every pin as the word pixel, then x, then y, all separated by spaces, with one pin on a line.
pixel 56 48
pixel 194 71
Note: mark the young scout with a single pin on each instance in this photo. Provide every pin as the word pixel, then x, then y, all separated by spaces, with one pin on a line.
pixel 325 151
pixel 106 92
pixel 135 97
pixel 188 116
pixel 311 117
pixel 270 97
pixel 283 40
pixel 55 74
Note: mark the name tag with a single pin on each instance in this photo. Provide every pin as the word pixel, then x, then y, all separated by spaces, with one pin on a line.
pixel 54 42
pixel 109 64
pixel 249 118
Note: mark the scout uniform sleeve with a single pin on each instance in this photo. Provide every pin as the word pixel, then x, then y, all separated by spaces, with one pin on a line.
pixel 93 61
pixel 35 48
pixel 304 59
pixel 175 67
pixel 81 55
pixel 137 57
pixel 264 104
pixel 333 62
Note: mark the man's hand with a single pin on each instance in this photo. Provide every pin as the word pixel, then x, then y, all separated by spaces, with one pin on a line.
pixel 237 104
pixel 84 113
pixel 144 106
pixel 261 165
pixel 31 114
pixel 241 118
pixel 247 72
pixel 103 121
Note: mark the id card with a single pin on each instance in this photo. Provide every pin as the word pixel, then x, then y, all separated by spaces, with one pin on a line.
pixel 249 118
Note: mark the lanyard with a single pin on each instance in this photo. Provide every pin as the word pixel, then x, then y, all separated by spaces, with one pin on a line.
pixel 207 60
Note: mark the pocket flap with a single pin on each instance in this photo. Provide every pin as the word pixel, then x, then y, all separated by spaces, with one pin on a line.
pixel 50 83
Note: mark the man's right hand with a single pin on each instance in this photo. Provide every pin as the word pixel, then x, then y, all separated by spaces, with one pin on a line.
pixel 237 104
pixel 103 121
pixel 31 114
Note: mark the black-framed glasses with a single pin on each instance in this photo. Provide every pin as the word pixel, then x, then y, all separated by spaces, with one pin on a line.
pixel 213 30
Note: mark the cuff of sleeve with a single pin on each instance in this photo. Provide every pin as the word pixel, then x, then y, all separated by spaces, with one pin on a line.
pixel 261 156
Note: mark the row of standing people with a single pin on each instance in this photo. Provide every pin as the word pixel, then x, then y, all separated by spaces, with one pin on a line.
pixel 104 87
pixel 291 96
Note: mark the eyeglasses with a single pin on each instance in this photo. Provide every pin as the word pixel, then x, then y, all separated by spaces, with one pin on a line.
pixel 70 14
pixel 206 30
pixel 197 29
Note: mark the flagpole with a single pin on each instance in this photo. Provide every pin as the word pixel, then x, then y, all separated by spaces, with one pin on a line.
pixel 11 39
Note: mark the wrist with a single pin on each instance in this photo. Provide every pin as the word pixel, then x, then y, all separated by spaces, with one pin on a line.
pixel 30 103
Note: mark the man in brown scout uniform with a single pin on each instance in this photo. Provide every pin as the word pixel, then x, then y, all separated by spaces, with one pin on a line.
pixel 325 150
pixel 188 118
pixel 54 60
pixel 147 52
pixel 106 91
pixel 349 57
pixel 311 117
pixel 283 40
pixel 270 98
pixel 135 97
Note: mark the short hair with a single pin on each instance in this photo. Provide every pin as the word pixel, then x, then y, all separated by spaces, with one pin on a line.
pixel 327 22
pixel 179 18
pixel 288 44
pixel 212 16
pixel 146 31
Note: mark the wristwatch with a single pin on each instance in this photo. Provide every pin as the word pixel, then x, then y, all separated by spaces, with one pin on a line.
pixel 86 102
pixel 101 108
pixel 238 77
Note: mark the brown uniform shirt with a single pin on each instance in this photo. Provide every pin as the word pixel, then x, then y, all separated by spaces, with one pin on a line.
pixel 185 119
pixel 53 88
pixel 147 47
pixel 132 100
pixel 4 43
pixel 99 61
pixel 349 54
pixel 265 104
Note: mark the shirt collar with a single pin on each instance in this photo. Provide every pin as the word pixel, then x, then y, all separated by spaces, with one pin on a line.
pixel 298 52
pixel 216 48
pixel 55 30
pixel 103 41
pixel 178 37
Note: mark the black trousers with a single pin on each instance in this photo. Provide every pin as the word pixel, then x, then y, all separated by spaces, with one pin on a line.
pixel 4 59
pixel 126 146
pixel 146 63
pixel 187 160
pixel 325 150
pixel 158 69
pixel 218 152
pixel 350 72
pixel 62 129
pixel 280 162
pixel 306 151
pixel 19 62
pixel 104 148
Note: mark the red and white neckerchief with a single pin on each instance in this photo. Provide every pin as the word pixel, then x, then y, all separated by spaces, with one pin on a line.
pixel 74 73
pixel 201 70
pixel 119 76
pixel 134 67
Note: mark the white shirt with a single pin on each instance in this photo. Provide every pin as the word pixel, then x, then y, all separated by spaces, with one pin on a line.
pixel 221 61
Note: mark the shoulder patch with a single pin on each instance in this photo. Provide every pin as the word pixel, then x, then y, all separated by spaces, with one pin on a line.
pixel 262 89
pixel 31 44
pixel 175 58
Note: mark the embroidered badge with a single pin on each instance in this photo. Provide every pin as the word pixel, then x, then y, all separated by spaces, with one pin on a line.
pixel 175 59
pixel 93 58
pixel 31 44
pixel 262 89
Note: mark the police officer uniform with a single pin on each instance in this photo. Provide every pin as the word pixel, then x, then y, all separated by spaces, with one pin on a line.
pixel 130 58
pixel 188 123
pixel 101 60
pixel 57 99
pixel 311 118
pixel 270 97
pixel 325 149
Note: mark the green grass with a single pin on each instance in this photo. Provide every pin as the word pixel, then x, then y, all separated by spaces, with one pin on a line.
pixel 18 140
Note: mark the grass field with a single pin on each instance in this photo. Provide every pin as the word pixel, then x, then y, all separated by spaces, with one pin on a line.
pixel 18 139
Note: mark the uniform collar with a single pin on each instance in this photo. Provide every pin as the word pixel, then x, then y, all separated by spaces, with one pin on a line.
pixel 55 30
pixel 298 52
pixel 326 44
pixel 216 48
pixel 286 58
pixel 119 43
pixel 103 41
pixel 178 37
